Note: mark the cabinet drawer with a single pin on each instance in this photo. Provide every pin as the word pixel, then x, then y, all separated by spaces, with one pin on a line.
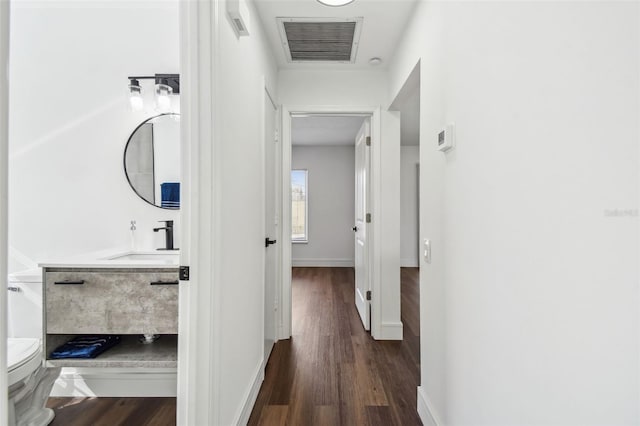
pixel 108 302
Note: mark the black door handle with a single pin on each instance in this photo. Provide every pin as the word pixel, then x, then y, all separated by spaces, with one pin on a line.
pixel 355 229
pixel 176 282
pixel 268 242
pixel 69 282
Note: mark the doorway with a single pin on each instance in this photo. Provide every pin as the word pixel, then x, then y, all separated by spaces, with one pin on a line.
pixel 329 159
pixel 409 220
pixel 412 250
pixel 300 127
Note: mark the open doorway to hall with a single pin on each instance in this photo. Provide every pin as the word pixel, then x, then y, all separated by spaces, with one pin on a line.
pixel 411 246
pixel 322 189
pixel 323 194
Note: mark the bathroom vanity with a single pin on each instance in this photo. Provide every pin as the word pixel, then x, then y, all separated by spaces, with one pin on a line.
pixel 129 294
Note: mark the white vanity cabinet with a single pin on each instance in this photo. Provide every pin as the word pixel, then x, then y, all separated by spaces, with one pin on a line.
pixel 129 302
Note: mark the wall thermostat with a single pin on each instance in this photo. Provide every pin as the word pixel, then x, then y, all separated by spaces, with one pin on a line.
pixel 446 138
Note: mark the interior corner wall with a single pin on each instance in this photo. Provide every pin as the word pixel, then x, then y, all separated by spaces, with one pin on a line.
pixel 423 42
pixel 533 300
pixel 245 65
pixel 331 203
pixel 409 250
pixel 70 121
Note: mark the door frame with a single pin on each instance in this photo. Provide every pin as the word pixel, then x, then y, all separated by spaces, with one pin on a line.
pixel 268 96
pixel 199 369
pixel 374 257
pixel 362 207
pixel 4 207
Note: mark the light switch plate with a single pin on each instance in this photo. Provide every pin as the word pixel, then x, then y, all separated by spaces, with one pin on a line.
pixel 446 138
pixel 427 250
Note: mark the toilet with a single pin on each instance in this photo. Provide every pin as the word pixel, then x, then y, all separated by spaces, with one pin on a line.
pixel 29 381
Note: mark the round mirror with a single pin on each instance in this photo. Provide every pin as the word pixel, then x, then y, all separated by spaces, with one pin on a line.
pixel 152 161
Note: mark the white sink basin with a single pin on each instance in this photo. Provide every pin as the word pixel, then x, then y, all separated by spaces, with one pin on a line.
pixel 165 257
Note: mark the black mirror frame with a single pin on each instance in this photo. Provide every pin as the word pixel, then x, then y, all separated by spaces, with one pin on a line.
pixel 124 160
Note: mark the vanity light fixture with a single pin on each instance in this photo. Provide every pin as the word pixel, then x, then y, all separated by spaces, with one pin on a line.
pixel 135 95
pixel 335 3
pixel 165 86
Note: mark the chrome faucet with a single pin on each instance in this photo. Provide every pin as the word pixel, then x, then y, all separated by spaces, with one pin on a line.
pixel 168 228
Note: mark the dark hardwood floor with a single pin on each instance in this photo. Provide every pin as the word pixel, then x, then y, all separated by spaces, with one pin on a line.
pixel 331 372
pixel 113 411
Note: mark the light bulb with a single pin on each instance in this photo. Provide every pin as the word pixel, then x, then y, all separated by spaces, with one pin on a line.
pixel 135 99
pixel 163 102
pixel 163 90
pixel 135 95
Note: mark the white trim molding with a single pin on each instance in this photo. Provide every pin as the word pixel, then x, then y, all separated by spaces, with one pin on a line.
pixel 251 395
pixel 4 191
pixel 284 325
pixel 409 262
pixel 323 263
pixel 117 383
pixel 199 370
pixel 426 411
pixel 391 331
pixel 374 252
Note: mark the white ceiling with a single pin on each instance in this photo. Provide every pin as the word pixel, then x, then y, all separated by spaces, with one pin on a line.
pixel 383 24
pixel 316 130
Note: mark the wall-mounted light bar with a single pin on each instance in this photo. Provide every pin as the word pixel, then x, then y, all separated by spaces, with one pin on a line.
pixel 165 86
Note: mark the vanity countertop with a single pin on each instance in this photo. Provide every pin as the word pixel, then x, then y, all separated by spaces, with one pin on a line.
pixel 118 259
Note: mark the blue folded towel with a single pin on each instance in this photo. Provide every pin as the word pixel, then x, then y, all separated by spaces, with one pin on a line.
pixel 170 194
pixel 85 347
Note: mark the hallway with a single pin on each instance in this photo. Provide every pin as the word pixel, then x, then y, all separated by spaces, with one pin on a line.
pixel 331 372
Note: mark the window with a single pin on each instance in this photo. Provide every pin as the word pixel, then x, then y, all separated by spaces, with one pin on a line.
pixel 299 206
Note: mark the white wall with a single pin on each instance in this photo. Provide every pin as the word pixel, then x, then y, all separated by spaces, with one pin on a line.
pixel 369 89
pixel 533 300
pixel 70 122
pixel 331 175
pixel 245 66
pixel 409 160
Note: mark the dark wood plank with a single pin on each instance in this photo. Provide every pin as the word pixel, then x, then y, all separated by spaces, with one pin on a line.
pixel 332 372
pixel 113 411
pixel 274 415
pixel 377 415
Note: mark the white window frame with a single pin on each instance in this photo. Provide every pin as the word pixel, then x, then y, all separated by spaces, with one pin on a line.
pixel 304 240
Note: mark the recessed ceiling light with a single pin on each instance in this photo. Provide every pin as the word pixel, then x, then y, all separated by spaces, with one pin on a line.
pixel 375 61
pixel 335 3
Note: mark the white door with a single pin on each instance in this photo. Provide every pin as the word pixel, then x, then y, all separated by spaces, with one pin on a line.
pixel 362 287
pixel 271 225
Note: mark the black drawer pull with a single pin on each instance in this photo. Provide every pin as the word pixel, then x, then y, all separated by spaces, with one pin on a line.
pixel 164 282
pixel 69 282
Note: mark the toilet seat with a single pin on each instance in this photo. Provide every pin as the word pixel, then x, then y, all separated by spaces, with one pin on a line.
pixel 23 358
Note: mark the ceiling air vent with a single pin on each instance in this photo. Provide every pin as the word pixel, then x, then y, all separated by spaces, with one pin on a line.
pixel 320 40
